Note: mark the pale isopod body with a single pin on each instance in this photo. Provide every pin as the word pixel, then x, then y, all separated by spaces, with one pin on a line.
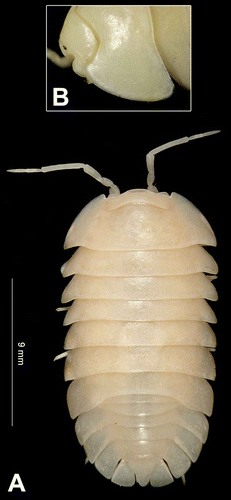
pixel 128 51
pixel 139 340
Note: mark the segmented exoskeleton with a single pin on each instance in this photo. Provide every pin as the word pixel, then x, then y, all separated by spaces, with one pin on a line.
pixel 138 347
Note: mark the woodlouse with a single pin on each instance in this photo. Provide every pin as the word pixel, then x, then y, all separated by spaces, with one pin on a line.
pixel 138 348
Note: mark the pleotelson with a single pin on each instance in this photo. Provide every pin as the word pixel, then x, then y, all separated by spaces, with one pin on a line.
pixel 139 342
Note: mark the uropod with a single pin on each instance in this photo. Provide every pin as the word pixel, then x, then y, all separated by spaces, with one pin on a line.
pixel 138 348
pixel 128 51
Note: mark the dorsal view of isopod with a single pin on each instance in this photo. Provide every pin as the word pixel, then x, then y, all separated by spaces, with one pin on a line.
pixel 138 348
pixel 129 51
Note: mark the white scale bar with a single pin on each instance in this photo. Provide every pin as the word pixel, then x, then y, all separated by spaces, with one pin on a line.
pixel 12 353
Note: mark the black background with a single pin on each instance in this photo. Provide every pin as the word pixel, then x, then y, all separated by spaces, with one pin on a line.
pixel 37 211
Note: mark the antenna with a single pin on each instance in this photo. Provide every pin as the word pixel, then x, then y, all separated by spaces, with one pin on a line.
pixel 150 157
pixel 113 189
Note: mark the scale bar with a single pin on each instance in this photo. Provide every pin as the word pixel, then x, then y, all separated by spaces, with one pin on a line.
pixel 12 352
